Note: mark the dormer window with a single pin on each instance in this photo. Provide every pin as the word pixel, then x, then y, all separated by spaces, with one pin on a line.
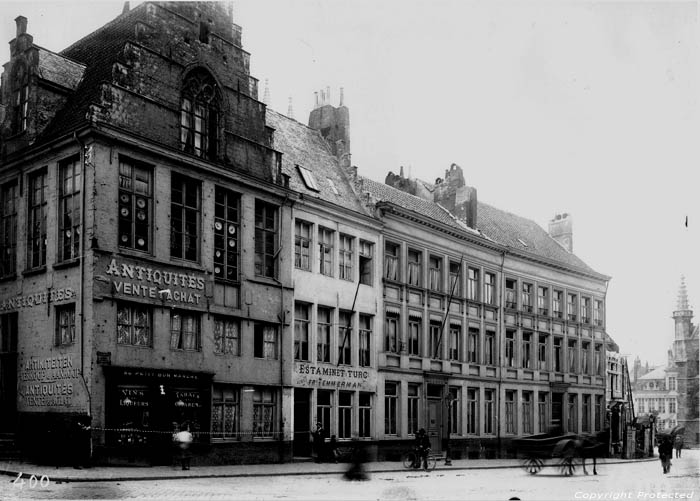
pixel 199 115
pixel 20 93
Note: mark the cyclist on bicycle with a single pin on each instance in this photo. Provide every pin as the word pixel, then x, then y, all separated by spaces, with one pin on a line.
pixel 422 448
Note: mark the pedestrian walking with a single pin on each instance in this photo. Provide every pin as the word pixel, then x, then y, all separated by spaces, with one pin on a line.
pixel 665 453
pixel 678 444
pixel 357 464
pixel 183 440
pixel 81 446
pixel 318 438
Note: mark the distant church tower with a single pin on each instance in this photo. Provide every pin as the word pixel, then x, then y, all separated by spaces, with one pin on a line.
pixel 682 317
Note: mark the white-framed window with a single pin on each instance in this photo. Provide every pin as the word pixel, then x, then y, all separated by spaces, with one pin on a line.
pixel 345 414
pixel 302 328
pixel 324 324
pixel 225 412
pixel 302 245
pixel 264 412
pixel 134 327
pixel 472 425
pixel 391 400
pixel 325 251
pixel 345 257
pixel 265 341
pixel 414 267
pixel 413 408
pixel 185 333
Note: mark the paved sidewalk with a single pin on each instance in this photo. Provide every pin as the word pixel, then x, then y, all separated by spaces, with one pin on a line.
pixel 124 473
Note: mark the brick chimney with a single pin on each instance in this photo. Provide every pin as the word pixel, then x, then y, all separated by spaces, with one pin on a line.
pixel 560 229
pixel 454 195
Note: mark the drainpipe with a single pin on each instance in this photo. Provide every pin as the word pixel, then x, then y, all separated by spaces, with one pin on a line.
pixel 501 360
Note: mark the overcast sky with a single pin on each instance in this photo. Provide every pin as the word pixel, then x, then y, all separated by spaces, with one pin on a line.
pixel 589 108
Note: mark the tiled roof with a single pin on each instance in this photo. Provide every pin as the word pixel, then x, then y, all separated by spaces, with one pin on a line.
pixel 59 70
pixel 658 373
pixel 493 224
pixel 303 146
pixel 98 51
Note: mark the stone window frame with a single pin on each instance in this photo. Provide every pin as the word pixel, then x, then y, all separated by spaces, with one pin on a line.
pixel 200 112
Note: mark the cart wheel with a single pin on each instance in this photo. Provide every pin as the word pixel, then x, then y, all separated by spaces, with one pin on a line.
pixel 533 465
pixel 432 462
pixel 567 466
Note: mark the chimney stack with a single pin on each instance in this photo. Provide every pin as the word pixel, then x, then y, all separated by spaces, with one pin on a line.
pixel 21 22
pixel 560 229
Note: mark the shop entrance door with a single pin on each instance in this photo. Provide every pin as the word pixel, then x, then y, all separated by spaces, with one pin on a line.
pixel 8 373
pixel 302 423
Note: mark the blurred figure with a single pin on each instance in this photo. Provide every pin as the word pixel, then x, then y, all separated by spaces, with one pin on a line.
pixel 678 444
pixel 357 466
pixel 333 449
pixel 318 442
pixel 184 438
pixel 665 453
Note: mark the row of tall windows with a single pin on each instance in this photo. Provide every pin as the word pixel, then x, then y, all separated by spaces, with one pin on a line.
pixel 343 420
pixel 329 330
pixel 226 413
pixel 581 308
pixel 327 241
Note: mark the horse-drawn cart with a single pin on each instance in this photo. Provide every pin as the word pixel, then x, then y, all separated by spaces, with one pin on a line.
pixel 566 448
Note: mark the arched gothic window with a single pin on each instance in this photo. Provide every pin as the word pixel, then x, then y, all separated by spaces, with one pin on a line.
pixel 20 92
pixel 199 115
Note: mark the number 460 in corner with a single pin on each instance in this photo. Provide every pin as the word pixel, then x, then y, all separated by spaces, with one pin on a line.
pixel 32 483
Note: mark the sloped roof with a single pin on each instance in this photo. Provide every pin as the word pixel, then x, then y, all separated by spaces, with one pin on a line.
pixel 98 51
pixel 658 373
pixel 303 146
pixel 493 224
pixel 58 69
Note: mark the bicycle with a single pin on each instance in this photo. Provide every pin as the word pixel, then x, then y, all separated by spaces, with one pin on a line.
pixel 410 459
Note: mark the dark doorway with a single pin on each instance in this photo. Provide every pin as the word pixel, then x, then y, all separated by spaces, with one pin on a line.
pixel 434 424
pixel 302 423
pixel 8 373
pixel 557 412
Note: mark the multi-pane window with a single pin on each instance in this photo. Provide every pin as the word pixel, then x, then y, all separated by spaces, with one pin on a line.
pixel 302 323
pixel 456 278
pixel 542 352
pixel 454 425
pixel 556 303
pixel 510 293
pixel 415 326
pixel 227 336
pixel 391 261
pixel 598 312
pixel 585 310
pixel 20 98
pixel 8 229
pixel 473 284
pixel 366 260
pixel 344 337
pixel 413 406
pixel 365 338
pixel 542 300
pixel 558 354
pixel 510 411
pixel 184 330
pixel 134 325
pixel 323 334
pixel 455 344
pixel 225 412
pixel 472 411
pixel 571 306
pixel 323 408
pixel 527 350
pixel 325 251
pixel 392 332
pixel 226 234
pixel 490 347
pixel 489 411
pixel 598 412
pixel 344 414
pixel 302 245
pixel 527 297
pixel 365 415
pixel 345 257
pixel 266 229
pixel 36 220
pixel 473 345
pixel 69 173
pixel 671 380
pixel 672 406
pixel 489 288
pixel 527 412
pixel 265 344
pixel 391 398
pixel 65 324
pixel 572 425
pixel 184 217
pixel 264 411
pixel 542 412
pixel 585 348
pixel 586 414
pixel 510 348
pixel 135 205
pixel 414 267
pixel 435 273
pixel 434 340
pixel 199 115
pixel 572 356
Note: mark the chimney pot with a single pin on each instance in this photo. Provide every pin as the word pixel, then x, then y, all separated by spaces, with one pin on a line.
pixel 126 8
pixel 341 97
pixel 21 22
